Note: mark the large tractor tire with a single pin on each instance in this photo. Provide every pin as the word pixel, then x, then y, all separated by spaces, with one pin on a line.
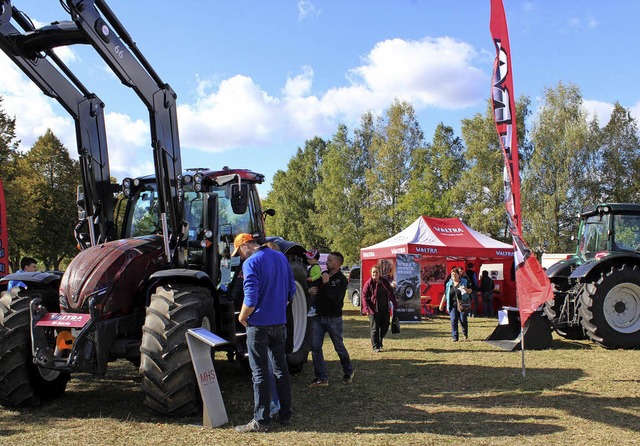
pixel 299 328
pixel 22 383
pixel 611 308
pixel 168 380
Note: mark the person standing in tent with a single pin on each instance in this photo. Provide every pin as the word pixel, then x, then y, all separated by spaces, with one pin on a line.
pixel 486 288
pixel 455 288
pixel 472 280
pixel 377 294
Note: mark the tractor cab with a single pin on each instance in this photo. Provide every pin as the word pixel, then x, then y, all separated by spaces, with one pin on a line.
pixel 231 195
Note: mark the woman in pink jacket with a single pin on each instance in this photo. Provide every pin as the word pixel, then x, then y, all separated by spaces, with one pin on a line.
pixel 377 293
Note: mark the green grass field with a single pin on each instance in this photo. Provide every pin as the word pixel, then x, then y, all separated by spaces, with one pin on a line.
pixel 422 389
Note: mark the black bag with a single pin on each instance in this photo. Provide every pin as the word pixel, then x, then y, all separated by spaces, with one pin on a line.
pixel 395 324
pixel 464 303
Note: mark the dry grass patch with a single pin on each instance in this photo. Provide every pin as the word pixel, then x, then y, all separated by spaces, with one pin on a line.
pixel 422 389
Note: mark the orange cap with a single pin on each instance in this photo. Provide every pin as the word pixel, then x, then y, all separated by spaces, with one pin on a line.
pixel 240 240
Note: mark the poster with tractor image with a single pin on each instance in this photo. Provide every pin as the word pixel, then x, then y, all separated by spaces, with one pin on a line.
pixel 408 287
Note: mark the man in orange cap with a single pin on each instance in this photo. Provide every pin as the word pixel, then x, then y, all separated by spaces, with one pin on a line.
pixel 268 287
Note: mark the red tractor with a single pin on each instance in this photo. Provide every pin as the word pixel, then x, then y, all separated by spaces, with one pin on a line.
pixel 153 264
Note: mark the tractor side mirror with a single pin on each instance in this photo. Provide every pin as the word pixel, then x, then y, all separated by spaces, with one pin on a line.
pixel 239 198
pixel 270 212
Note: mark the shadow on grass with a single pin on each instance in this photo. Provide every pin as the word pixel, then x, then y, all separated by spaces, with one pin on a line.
pixel 422 394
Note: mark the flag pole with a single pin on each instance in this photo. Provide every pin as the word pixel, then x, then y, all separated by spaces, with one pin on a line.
pixel 522 348
pixel 532 284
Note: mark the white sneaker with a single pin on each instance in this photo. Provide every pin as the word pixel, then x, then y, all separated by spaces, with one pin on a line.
pixel 312 312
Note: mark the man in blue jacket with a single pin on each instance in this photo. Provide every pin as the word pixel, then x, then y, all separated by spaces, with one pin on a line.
pixel 268 288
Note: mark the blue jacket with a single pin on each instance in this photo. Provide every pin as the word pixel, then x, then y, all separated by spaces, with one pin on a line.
pixel 15 283
pixel 449 286
pixel 268 287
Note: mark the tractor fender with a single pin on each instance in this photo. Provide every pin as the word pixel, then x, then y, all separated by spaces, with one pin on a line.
pixel 562 268
pixel 288 248
pixel 586 271
pixel 181 275
pixel 36 278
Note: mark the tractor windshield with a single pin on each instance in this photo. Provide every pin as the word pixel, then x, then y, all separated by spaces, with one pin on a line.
pixel 594 236
pixel 143 218
pixel 232 223
pixel 626 229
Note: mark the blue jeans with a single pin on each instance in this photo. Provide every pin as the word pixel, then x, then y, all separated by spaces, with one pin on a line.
pixel 266 344
pixel 456 316
pixel 275 401
pixel 474 303
pixel 333 326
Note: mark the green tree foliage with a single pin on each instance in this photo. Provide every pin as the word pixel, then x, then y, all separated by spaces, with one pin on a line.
pixel 618 159
pixel 555 184
pixel 292 197
pixel 478 198
pixel 387 178
pixel 434 171
pixel 8 142
pixel 339 197
pixel 48 177
pixel 9 159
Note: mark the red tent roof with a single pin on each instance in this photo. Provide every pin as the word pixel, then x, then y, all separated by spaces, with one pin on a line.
pixel 439 237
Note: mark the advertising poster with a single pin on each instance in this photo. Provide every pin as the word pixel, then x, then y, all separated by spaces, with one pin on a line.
pixel 408 287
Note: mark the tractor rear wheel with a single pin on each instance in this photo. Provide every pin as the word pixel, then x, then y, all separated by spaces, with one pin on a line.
pixel 299 328
pixel 610 308
pixel 22 383
pixel 168 380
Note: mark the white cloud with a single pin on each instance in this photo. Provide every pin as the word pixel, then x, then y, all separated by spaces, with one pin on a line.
pixel 581 23
pixel 635 111
pixel 237 112
pixel 430 72
pixel 299 85
pixel 307 9
pixel 34 113
pixel 126 139
pixel 66 54
pixel 598 109
pixel 427 73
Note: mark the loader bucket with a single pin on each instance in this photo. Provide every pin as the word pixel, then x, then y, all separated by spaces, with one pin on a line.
pixel 507 335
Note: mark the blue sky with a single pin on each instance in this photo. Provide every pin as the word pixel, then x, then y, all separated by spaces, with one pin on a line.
pixel 256 79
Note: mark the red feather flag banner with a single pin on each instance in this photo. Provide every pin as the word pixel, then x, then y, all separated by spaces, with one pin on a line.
pixel 532 284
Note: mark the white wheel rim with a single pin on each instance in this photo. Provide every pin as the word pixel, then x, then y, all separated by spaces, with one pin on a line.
pixel 621 307
pixel 299 314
